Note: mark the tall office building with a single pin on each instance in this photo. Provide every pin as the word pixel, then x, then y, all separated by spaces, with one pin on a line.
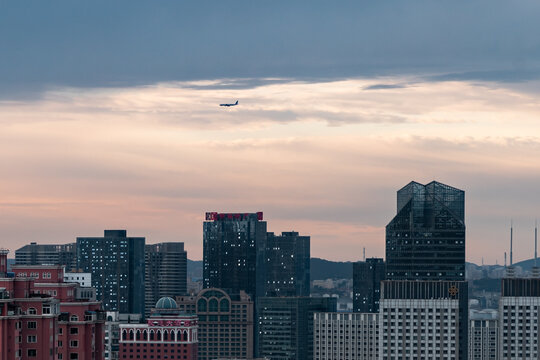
pixel 287 264
pixel 423 320
pixel 367 277
pixel 116 263
pixel 225 323
pixel 47 254
pixel 233 252
pixel 346 336
pixel 285 326
pixel 519 313
pixel 165 272
pixel 426 239
pixel 483 337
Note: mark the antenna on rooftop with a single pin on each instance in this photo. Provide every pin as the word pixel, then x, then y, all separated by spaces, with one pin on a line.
pixel 364 253
pixel 511 241
pixel 535 240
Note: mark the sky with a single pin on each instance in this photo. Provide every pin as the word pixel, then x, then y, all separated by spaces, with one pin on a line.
pixel 109 118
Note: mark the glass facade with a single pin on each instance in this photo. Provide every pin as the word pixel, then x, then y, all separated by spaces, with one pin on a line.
pixel 426 239
pixel 367 277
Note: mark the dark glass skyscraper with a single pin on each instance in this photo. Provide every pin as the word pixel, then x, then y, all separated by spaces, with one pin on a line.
pixel 367 277
pixel 116 263
pixel 233 252
pixel 426 239
pixel 165 272
pixel 287 264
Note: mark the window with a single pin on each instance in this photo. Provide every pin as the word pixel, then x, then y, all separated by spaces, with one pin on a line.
pixel 31 325
pixel 32 311
pixel 46 309
pixel 74 331
pixel 31 353
pixel 60 331
pixel 73 343
pixel 31 339
pixel 74 318
pixel 74 356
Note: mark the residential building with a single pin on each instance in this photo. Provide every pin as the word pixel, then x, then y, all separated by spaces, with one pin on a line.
pixel 112 331
pixel 83 279
pixel 41 318
pixel 116 263
pixel 367 277
pixel 233 252
pixel 285 325
pixel 519 311
pixel 483 336
pixel 287 264
pixel 165 272
pixel 351 336
pixel 47 254
pixel 423 320
pixel 426 238
pixel 225 323
pixel 167 334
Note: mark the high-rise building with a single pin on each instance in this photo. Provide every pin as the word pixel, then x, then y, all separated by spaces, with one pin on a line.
pixel 426 239
pixel 166 272
pixel 367 277
pixel 483 336
pixel 233 252
pixel 116 263
pixel 167 334
pixel 519 313
pixel 346 336
pixel 42 318
pixel 225 323
pixel 287 264
pixel 47 254
pixel 285 326
pixel 423 320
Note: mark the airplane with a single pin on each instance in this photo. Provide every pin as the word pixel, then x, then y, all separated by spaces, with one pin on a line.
pixel 236 103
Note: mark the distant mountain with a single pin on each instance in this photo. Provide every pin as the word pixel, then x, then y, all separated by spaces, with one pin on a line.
pixel 322 269
pixel 194 269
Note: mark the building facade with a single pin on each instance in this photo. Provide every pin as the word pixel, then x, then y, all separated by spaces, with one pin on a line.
pixel 519 311
pixel 41 317
pixel 367 277
pixel 225 323
pixel 426 239
pixel 167 334
pixel 112 331
pixel 287 264
pixel 116 263
pixel 83 279
pixel 165 272
pixel 423 320
pixel 351 336
pixel 483 339
pixel 47 254
pixel 285 326
pixel 233 252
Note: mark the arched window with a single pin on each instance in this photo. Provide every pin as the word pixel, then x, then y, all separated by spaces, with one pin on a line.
pixel 213 305
pixel 32 311
pixel 184 336
pixel 145 335
pixel 201 305
pixel 130 334
pixel 158 335
pixel 165 335
pixel 124 335
pixel 138 335
pixel 224 305
pixel 74 318
pixel 151 335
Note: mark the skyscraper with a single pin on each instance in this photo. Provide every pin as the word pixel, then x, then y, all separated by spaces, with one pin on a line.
pixel 165 272
pixel 116 263
pixel 287 264
pixel 367 277
pixel 233 252
pixel 426 239
pixel 47 254
pixel 285 325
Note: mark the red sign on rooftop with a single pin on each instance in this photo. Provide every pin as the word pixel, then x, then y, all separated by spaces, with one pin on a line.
pixel 213 216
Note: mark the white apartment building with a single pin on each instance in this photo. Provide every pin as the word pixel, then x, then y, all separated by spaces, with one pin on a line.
pixel 483 337
pixel 519 310
pixel 83 279
pixel 423 320
pixel 346 336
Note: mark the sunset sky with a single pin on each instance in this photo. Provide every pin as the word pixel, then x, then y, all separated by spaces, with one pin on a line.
pixel 109 118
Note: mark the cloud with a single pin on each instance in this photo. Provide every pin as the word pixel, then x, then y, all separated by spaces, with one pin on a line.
pixel 133 43
pixel 384 87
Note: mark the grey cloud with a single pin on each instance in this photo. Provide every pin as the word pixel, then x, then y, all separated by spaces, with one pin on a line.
pixel 125 43
pixel 384 86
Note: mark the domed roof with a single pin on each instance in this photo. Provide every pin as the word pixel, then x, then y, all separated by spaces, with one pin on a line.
pixel 166 303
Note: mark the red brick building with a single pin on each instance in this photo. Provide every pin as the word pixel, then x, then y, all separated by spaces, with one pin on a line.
pixel 41 318
pixel 167 334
